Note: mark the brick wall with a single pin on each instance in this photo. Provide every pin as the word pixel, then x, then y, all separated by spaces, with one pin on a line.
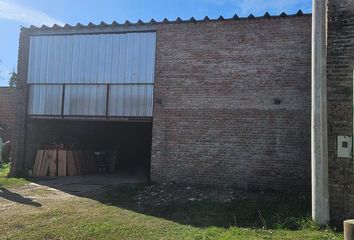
pixel 7 111
pixel 232 103
pixel 18 133
pixel 340 104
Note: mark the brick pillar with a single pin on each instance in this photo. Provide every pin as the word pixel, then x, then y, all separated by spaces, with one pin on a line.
pixel 18 136
pixel 340 65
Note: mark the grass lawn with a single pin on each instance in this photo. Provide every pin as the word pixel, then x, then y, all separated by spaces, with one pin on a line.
pixel 114 214
pixel 10 182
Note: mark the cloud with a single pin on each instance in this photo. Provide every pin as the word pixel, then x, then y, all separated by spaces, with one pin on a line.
pixel 17 12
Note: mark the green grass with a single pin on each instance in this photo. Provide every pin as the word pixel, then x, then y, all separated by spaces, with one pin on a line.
pixel 9 182
pixel 88 219
pixel 114 214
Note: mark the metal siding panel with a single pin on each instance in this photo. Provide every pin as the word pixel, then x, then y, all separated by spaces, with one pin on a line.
pixel 43 64
pixel 102 100
pixel 151 48
pixel 130 100
pixel 115 59
pixel 81 100
pixel 108 59
pixel 142 105
pixel 32 59
pixel 81 62
pixel 40 60
pixel 129 59
pixel 88 58
pixel 50 60
pixel 62 59
pixel 45 100
pixel 86 103
pixel 135 61
pixel 95 58
pixel 149 100
pixel 41 102
pixel 86 100
pixel 48 100
pixel 92 101
pixel 37 100
pixel 55 99
pixel 143 59
pixel 67 100
pixel 102 58
pixel 76 59
pixel 69 58
pixel 133 98
pixel 55 60
pixel 123 51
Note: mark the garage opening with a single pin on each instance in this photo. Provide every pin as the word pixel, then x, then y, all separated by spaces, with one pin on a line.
pixel 122 148
pixel 90 103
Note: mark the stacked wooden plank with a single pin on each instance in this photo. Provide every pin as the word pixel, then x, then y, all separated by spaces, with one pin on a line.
pixel 59 162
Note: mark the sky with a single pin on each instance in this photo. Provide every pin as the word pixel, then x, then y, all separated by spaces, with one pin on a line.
pixel 17 13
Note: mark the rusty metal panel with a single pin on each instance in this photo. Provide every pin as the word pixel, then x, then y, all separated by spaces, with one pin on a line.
pixel 45 99
pixel 85 100
pixel 93 58
pixel 134 100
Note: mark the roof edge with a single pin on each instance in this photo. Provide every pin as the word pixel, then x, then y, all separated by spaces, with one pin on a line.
pixel 102 24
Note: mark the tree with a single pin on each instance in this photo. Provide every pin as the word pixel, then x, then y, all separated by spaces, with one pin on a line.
pixel 13 80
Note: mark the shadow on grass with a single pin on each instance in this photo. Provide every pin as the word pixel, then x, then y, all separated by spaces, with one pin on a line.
pixel 18 198
pixel 273 211
pixel 257 210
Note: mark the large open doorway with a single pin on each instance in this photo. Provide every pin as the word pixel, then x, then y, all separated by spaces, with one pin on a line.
pixel 122 148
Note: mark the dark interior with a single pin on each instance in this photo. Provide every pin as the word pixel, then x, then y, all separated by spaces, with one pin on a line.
pixel 119 147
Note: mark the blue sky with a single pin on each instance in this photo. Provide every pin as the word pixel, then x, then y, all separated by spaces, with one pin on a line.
pixel 16 13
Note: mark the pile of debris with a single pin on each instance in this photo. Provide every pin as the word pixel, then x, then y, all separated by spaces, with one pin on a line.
pixel 178 193
pixel 55 161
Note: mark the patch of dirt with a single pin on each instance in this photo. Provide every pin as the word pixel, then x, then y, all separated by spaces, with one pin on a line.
pixel 161 194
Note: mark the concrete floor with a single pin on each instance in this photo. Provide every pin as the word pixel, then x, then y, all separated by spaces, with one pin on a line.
pixel 85 184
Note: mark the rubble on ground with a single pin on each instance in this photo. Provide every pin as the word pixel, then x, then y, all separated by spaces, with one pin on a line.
pixel 160 194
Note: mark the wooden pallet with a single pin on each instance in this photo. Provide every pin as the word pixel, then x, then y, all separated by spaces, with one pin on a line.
pixel 58 162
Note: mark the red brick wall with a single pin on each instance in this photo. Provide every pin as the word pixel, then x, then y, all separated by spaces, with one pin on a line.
pixel 232 103
pixel 216 117
pixel 340 104
pixel 18 133
pixel 7 111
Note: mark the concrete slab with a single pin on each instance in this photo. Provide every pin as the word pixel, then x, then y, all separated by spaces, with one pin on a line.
pixel 84 184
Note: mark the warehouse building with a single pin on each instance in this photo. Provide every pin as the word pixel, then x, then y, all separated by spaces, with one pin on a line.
pixel 221 102
pixel 210 101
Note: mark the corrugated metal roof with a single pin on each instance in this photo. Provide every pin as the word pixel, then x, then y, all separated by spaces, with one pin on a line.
pixel 166 21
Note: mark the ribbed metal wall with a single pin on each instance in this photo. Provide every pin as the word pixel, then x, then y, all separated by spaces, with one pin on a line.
pixel 82 63
pixel 45 99
pixel 130 100
pixel 85 100
pixel 101 58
